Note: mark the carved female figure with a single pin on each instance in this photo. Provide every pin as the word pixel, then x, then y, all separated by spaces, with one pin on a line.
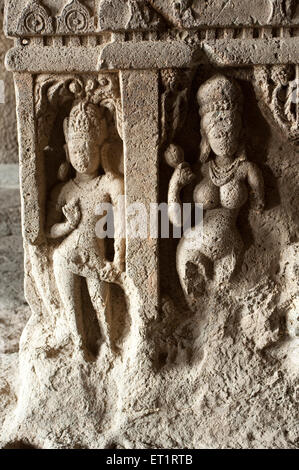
pixel 72 218
pixel 227 175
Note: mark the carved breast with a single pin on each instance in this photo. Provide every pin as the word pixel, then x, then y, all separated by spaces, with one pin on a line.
pixel 207 194
pixel 233 195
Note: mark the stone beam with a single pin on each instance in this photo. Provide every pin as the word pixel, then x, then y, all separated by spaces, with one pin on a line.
pixel 153 55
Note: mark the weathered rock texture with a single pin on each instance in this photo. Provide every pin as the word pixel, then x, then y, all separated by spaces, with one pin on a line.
pixel 8 129
pixel 14 311
pixel 152 341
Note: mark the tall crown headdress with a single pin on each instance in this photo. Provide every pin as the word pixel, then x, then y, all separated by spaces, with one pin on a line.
pixel 86 119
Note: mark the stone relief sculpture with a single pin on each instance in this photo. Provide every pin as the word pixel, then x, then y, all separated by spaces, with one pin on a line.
pixel 89 174
pixel 35 19
pixel 147 339
pixel 72 218
pixel 277 88
pixel 75 19
pixel 223 189
pixel 174 105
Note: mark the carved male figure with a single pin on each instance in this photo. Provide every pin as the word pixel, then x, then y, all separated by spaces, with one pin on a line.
pixel 72 218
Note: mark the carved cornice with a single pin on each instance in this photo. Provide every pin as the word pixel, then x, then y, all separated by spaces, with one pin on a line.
pixel 147 35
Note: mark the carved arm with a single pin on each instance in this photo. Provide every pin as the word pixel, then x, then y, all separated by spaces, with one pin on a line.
pixel 117 199
pixel 181 177
pixel 256 183
pixel 56 208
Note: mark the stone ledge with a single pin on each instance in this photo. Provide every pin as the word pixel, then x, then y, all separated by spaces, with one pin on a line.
pixel 150 55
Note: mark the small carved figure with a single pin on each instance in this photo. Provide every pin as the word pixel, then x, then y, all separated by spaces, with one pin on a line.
pixel 183 9
pixel 283 93
pixel 72 218
pixel 222 191
pixel 281 10
pixel 276 88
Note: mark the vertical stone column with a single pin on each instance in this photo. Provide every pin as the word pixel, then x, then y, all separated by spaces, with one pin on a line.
pixel 297 96
pixel 32 188
pixel 141 139
pixel 140 98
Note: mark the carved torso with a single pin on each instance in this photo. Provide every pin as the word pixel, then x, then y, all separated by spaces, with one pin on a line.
pixel 225 189
pixel 83 244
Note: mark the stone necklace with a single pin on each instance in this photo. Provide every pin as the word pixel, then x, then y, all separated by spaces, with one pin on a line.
pixel 94 182
pixel 223 175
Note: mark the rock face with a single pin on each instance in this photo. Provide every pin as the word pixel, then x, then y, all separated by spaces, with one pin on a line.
pixel 8 132
pixel 141 336
pixel 14 311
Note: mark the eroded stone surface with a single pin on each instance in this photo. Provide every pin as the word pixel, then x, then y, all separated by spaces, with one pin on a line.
pixel 155 346
pixel 14 312
pixel 8 132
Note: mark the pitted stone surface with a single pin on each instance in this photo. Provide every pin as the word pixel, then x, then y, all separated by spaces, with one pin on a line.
pixel 8 131
pixel 156 341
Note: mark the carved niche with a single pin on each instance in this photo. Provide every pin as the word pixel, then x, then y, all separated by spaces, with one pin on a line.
pixel 87 148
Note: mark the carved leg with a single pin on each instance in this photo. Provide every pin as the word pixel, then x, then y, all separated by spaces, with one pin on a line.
pixel 194 270
pixel 225 267
pixel 69 287
pixel 39 260
pixel 100 296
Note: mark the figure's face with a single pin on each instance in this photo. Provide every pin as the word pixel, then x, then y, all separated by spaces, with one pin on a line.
pixel 223 132
pixel 281 75
pixel 84 153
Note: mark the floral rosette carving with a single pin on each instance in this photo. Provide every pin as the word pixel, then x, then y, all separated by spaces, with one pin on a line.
pixel 75 19
pixel 35 19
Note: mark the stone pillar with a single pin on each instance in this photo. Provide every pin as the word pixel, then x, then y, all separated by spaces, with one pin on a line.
pixel 140 100
pixel 140 104
pixel 31 162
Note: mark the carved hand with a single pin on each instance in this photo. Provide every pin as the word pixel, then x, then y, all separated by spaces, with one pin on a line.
pixel 72 213
pixel 184 175
pixel 258 206
pixel 110 273
pixel 119 265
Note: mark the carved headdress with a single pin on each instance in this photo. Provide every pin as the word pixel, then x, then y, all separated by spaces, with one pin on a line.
pixel 219 94
pixel 85 120
pixel 217 97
